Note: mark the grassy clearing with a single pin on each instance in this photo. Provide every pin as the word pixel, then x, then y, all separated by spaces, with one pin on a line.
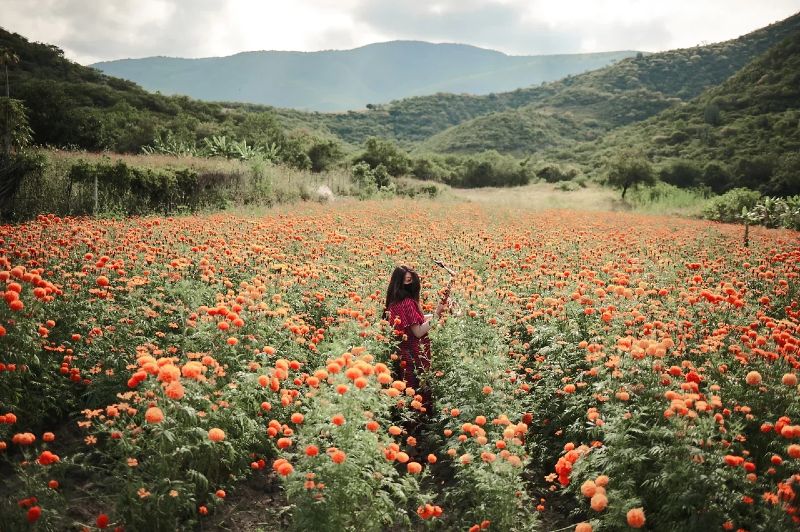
pixel 544 196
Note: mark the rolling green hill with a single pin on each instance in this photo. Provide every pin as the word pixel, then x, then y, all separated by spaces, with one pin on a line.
pixel 591 104
pixel 339 80
pixel 744 132
pixel 70 105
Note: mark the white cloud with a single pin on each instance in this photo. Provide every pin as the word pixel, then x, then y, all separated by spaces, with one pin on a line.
pixel 93 30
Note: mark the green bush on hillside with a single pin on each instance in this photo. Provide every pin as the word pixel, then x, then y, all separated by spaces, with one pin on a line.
pixel 384 152
pixel 728 207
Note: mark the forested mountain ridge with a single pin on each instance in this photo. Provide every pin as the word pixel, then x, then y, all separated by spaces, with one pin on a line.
pixel 70 105
pixel 341 80
pixel 585 107
pixel 744 132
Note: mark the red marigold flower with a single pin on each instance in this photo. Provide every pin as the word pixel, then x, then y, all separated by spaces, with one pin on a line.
pixel 34 513
pixel 47 458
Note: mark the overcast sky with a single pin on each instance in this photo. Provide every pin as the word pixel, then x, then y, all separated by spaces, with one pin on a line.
pixel 97 30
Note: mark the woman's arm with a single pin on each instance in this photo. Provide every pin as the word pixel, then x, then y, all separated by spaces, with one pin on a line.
pixel 421 330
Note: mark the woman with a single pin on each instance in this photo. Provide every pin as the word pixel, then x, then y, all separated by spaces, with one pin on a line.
pixel 404 312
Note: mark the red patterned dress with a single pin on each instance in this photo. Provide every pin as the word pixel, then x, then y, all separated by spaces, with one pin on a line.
pixel 415 353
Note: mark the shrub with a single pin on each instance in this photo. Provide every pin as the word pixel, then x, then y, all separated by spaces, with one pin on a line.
pixel 385 152
pixel 728 207
pixel 680 173
pixel 554 172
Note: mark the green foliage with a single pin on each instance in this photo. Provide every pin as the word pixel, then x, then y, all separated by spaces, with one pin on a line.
pixel 14 128
pixel 559 115
pixel 381 152
pixel 684 174
pixel 663 198
pixel 491 169
pixel 369 180
pixel 140 190
pixel 555 172
pixel 786 177
pixel 728 207
pixel 753 144
pixel 15 169
pixel 711 114
pixel 324 154
pixel 776 212
pixel 470 353
pixel 629 169
pixel 716 176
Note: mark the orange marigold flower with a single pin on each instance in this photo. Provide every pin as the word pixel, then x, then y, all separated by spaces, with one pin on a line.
pixel 312 450
pixel 583 527
pixel 753 378
pixel 297 418
pixel 216 435
pixel 414 467
pixel 636 517
pixel 793 450
pixel 338 420
pixel 599 502
pixel 338 456
pixel 175 390
pixel 588 488
pixel 154 415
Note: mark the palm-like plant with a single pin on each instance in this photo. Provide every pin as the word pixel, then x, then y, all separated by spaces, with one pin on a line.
pixel 8 57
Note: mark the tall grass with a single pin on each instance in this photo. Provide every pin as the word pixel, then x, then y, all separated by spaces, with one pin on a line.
pixel 235 183
pixel 663 198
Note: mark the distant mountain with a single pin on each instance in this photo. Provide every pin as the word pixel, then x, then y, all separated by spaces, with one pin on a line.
pixel 586 106
pixel 340 80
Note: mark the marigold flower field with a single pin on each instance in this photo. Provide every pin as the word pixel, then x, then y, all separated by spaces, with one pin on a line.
pixel 597 371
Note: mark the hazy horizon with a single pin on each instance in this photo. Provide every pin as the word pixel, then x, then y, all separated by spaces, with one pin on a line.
pixel 91 32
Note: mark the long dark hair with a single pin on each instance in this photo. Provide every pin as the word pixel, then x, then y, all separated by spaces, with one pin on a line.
pixel 398 290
